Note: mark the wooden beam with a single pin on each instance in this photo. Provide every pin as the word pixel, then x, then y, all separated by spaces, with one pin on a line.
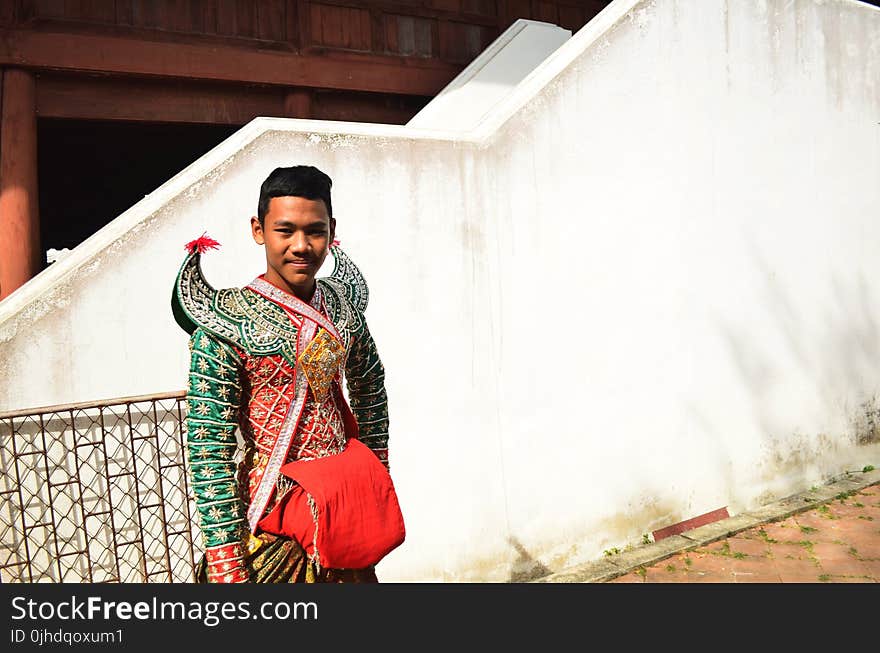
pixel 142 100
pixel 112 55
pixel 153 101
pixel 360 107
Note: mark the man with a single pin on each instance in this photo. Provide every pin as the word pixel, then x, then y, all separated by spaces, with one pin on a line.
pixel 306 504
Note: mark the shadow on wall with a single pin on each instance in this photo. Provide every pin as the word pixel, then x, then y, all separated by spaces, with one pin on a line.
pixel 844 357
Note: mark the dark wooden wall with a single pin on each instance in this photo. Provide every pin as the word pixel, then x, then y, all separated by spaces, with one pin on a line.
pixel 450 30
pixel 227 61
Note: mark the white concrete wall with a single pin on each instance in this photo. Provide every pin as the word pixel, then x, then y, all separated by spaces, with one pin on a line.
pixel 489 78
pixel 645 287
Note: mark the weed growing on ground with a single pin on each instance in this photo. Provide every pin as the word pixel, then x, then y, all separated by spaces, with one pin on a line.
pixel 808 529
pixel 688 561
pixel 866 517
pixel 611 552
pixel 858 504
pixel 727 553
pixel 825 511
pixel 670 568
pixel 824 578
pixel 763 534
pixel 723 551
pixel 646 539
pixel 641 571
pixel 868 468
pixel 843 496
pixel 807 545
pixel 854 552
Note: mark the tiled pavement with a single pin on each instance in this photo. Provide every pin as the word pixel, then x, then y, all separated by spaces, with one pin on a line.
pixel 827 535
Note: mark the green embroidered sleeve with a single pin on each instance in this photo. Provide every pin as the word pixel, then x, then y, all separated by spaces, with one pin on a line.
pixel 213 396
pixel 366 393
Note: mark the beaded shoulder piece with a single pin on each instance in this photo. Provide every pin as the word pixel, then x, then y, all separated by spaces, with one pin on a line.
pixel 247 320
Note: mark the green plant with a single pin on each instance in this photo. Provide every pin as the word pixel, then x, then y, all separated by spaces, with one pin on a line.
pixel 808 529
pixel 807 545
pixel 670 568
pixel 727 553
pixel 853 552
pixel 641 571
pixel 866 517
pixel 612 551
pixel 646 539
pixel 763 534
pixel 824 578
pixel 688 561
pixel 859 504
pixel 826 512
pixel 868 468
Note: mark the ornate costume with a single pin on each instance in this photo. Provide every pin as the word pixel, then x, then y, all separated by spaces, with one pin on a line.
pixel 272 365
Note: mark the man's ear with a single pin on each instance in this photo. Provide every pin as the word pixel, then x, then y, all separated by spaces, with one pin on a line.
pixel 332 229
pixel 257 231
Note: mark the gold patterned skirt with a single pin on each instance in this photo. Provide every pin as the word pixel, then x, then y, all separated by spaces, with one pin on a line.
pixel 278 559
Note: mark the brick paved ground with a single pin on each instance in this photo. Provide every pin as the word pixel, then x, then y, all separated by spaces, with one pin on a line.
pixel 837 542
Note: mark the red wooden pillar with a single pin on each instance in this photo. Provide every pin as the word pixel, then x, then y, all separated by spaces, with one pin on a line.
pixel 20 252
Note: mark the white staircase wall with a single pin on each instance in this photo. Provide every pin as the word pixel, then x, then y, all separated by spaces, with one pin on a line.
pixel 644 288
pixel 490 77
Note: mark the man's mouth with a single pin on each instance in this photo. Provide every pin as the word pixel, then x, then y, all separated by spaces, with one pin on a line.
pixel 299 263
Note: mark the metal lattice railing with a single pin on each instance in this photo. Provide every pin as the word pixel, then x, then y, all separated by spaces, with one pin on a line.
pixel 97 492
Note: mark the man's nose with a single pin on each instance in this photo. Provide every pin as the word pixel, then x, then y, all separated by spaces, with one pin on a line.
pixel 298 242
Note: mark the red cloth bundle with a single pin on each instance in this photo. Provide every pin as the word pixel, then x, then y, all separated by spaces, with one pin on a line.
pixel 358 517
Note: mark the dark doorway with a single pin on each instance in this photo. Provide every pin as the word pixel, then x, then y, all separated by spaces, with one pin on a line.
pixel 91 171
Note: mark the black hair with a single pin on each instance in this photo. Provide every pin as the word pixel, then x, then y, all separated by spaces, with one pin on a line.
pixel 298 181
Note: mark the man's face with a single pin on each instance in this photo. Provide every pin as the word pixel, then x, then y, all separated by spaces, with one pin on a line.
pixel 297 233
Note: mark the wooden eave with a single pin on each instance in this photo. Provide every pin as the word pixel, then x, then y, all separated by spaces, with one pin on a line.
pixel 94 54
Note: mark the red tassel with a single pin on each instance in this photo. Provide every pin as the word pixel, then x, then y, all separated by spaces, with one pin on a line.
pixel 201 244
pixel 335 243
